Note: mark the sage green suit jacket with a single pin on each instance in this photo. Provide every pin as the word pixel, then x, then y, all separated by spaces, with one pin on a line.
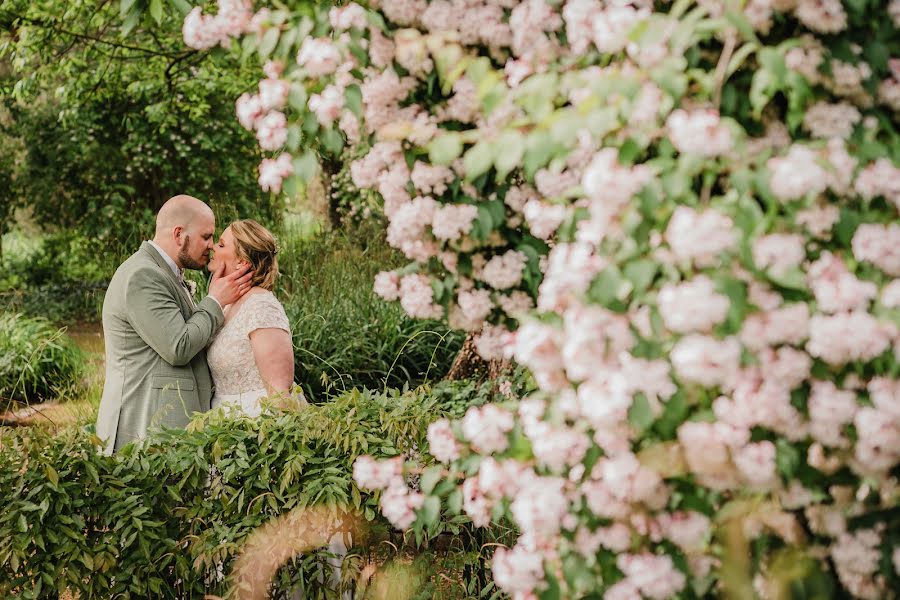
pixel 156 339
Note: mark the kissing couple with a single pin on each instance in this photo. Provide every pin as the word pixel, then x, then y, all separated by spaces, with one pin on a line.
pixel 168 356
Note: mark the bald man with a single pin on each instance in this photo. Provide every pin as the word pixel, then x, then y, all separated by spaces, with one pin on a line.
pixel 156 335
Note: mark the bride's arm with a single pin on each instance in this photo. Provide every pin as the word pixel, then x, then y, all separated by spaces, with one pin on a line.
pixel 274 355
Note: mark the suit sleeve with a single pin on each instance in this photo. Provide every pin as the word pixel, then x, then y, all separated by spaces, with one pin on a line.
pixel 155 315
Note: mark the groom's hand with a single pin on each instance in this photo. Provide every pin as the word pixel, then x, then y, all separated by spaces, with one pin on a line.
pixel 228 289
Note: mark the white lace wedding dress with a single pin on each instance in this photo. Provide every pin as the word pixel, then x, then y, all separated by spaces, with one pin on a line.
pixel 238 383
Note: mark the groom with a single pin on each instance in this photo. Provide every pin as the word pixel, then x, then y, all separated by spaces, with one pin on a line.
pixel 155 335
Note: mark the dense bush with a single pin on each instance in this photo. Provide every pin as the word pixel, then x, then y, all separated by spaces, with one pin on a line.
pixel 36 359
pixel 345 336
pixel 135 523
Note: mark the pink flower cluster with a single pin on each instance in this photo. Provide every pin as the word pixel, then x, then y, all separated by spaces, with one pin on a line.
pixel 235 17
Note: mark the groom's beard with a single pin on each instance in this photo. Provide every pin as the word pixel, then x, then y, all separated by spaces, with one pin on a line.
pixel 187 261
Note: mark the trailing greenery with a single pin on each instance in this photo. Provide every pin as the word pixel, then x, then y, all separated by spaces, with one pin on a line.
pixel 156 520
pixel 344 335
pixel 37 360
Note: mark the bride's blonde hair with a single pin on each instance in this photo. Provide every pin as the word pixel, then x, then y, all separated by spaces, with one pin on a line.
pixel 256 245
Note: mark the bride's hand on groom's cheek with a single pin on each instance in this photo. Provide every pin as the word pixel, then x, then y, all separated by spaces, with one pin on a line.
pixel 228 289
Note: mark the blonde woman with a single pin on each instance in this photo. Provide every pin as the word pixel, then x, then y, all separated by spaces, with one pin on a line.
pixel 252 356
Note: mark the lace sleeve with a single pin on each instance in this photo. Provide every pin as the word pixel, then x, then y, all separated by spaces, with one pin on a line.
pixel 266 312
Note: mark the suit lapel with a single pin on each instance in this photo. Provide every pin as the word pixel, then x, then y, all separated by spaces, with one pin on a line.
pixel 185 302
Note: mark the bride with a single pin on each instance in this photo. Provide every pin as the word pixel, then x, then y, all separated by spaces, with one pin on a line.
pixel 252 356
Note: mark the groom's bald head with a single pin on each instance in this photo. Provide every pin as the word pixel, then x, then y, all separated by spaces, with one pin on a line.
pixel 184 229
pixel 181 211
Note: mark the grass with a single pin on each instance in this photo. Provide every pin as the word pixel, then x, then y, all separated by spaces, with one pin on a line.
pixel 37 360
pixel 345 336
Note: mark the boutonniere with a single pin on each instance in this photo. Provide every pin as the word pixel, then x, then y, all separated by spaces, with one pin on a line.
pixel 191 286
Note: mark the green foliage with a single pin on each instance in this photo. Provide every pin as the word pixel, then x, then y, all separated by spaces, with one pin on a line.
pixel 344 335
pixel 184 502
pixel 36 360
pixel 107 127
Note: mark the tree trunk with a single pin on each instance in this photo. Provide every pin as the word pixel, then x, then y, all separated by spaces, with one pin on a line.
pixel 469 365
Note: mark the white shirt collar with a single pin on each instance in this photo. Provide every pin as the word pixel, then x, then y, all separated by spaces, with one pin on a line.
pixel 179 273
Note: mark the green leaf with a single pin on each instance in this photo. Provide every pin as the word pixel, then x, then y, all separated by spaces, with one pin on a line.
pixel 22 523
pixel 787 458
pixel 430 478
pixel 156 11
pixel 431 510
pixel 444 149
pixel 332 140
pixel 846 227
pixel 306 166
pixel 182 6
pixel 478 159
pixel 298 97
pixel 125 7
pixel 510 148
pixel 743 25
pixel 52 475
pixel 268 43
pixel 353 99
pixel 640 273
pixel 640 414
pixel 455 501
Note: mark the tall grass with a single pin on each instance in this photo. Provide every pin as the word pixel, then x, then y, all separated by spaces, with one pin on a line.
pixel 345 336
pixel 37 360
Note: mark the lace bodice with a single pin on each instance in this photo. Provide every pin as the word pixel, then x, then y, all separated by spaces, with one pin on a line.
pixel 230 355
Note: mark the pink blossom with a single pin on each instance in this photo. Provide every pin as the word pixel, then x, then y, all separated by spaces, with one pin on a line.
pixel 835 288
pixel 387 285
pixel 273 93
pixel 706 450
pixel 607 182
pixel 797 174
pixel 543 218
pixel 787 325
pixel 692 305
pixel 476 305
pixel 365 171
pixel 319 56
pixel 878 444
pixel 824 120
pixel 406 230
pixel 648 377
pixel 700 237
pixel 557 447
pixel 373 475
pixel 778 252
pixel 890 295
pixel 698 132
pixel 200 31
pixel 491 343
pixel 879 245
pixel 351 15
pixel 517 303
pixel 604 399
pixel 688 530
pixel 819 220
pixel 823 16
pixel 592 336
pixel 452 221
pixel 249 109
pixel 612 25
pixel 570 269
pixel 880 178
pixel 271 131
pixel 705 360
pixel 845 337
pixel 654 575
pixel 856 556
pixel 430 179
pixel 517 571
pixel 273 69
pixel 398 505
pixel 441 441
pixel 885 395
pixel 417 297
pixel 756 463
pixel 273 172
pixel 504 271
pixel 539 507
pixel 517 71
pixel 486 428
pixel 328 105
pixel 475 503
pixel 830 409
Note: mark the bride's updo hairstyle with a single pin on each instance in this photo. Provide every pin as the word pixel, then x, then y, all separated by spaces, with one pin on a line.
pixel 256 245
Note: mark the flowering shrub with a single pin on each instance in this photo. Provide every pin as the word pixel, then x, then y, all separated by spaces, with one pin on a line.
pixel 682 218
